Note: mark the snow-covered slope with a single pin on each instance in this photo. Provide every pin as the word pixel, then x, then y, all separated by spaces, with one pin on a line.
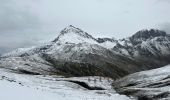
pixel 27 87
pixel 149 85
pixel 75 35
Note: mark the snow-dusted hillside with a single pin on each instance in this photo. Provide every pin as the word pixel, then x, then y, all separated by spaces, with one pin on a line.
pixel 38 87
pixel 149 85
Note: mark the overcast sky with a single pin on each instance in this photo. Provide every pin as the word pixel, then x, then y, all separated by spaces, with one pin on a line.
pixel 25 23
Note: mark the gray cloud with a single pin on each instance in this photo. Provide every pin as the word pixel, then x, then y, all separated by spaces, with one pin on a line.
pixel 15 22
pixel 27 22
pixel 165 27
pixel 16 17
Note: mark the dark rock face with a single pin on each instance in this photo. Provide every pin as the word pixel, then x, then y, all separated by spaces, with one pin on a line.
pixel 147 34
pixel 101 40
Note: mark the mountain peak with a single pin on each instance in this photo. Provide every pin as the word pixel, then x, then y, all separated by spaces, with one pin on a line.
pixel 146 34
pixel 70 28
pixel 73 32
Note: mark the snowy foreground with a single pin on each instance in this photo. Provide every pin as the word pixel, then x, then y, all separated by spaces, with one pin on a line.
pixel 27 87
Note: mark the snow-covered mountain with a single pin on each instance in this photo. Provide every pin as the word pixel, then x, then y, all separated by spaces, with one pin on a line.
pixel 153 42
pixel 150 47
pixel 51 66
pixel 77 53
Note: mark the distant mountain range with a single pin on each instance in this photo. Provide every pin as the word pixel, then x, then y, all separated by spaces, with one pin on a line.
pixel 76 53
